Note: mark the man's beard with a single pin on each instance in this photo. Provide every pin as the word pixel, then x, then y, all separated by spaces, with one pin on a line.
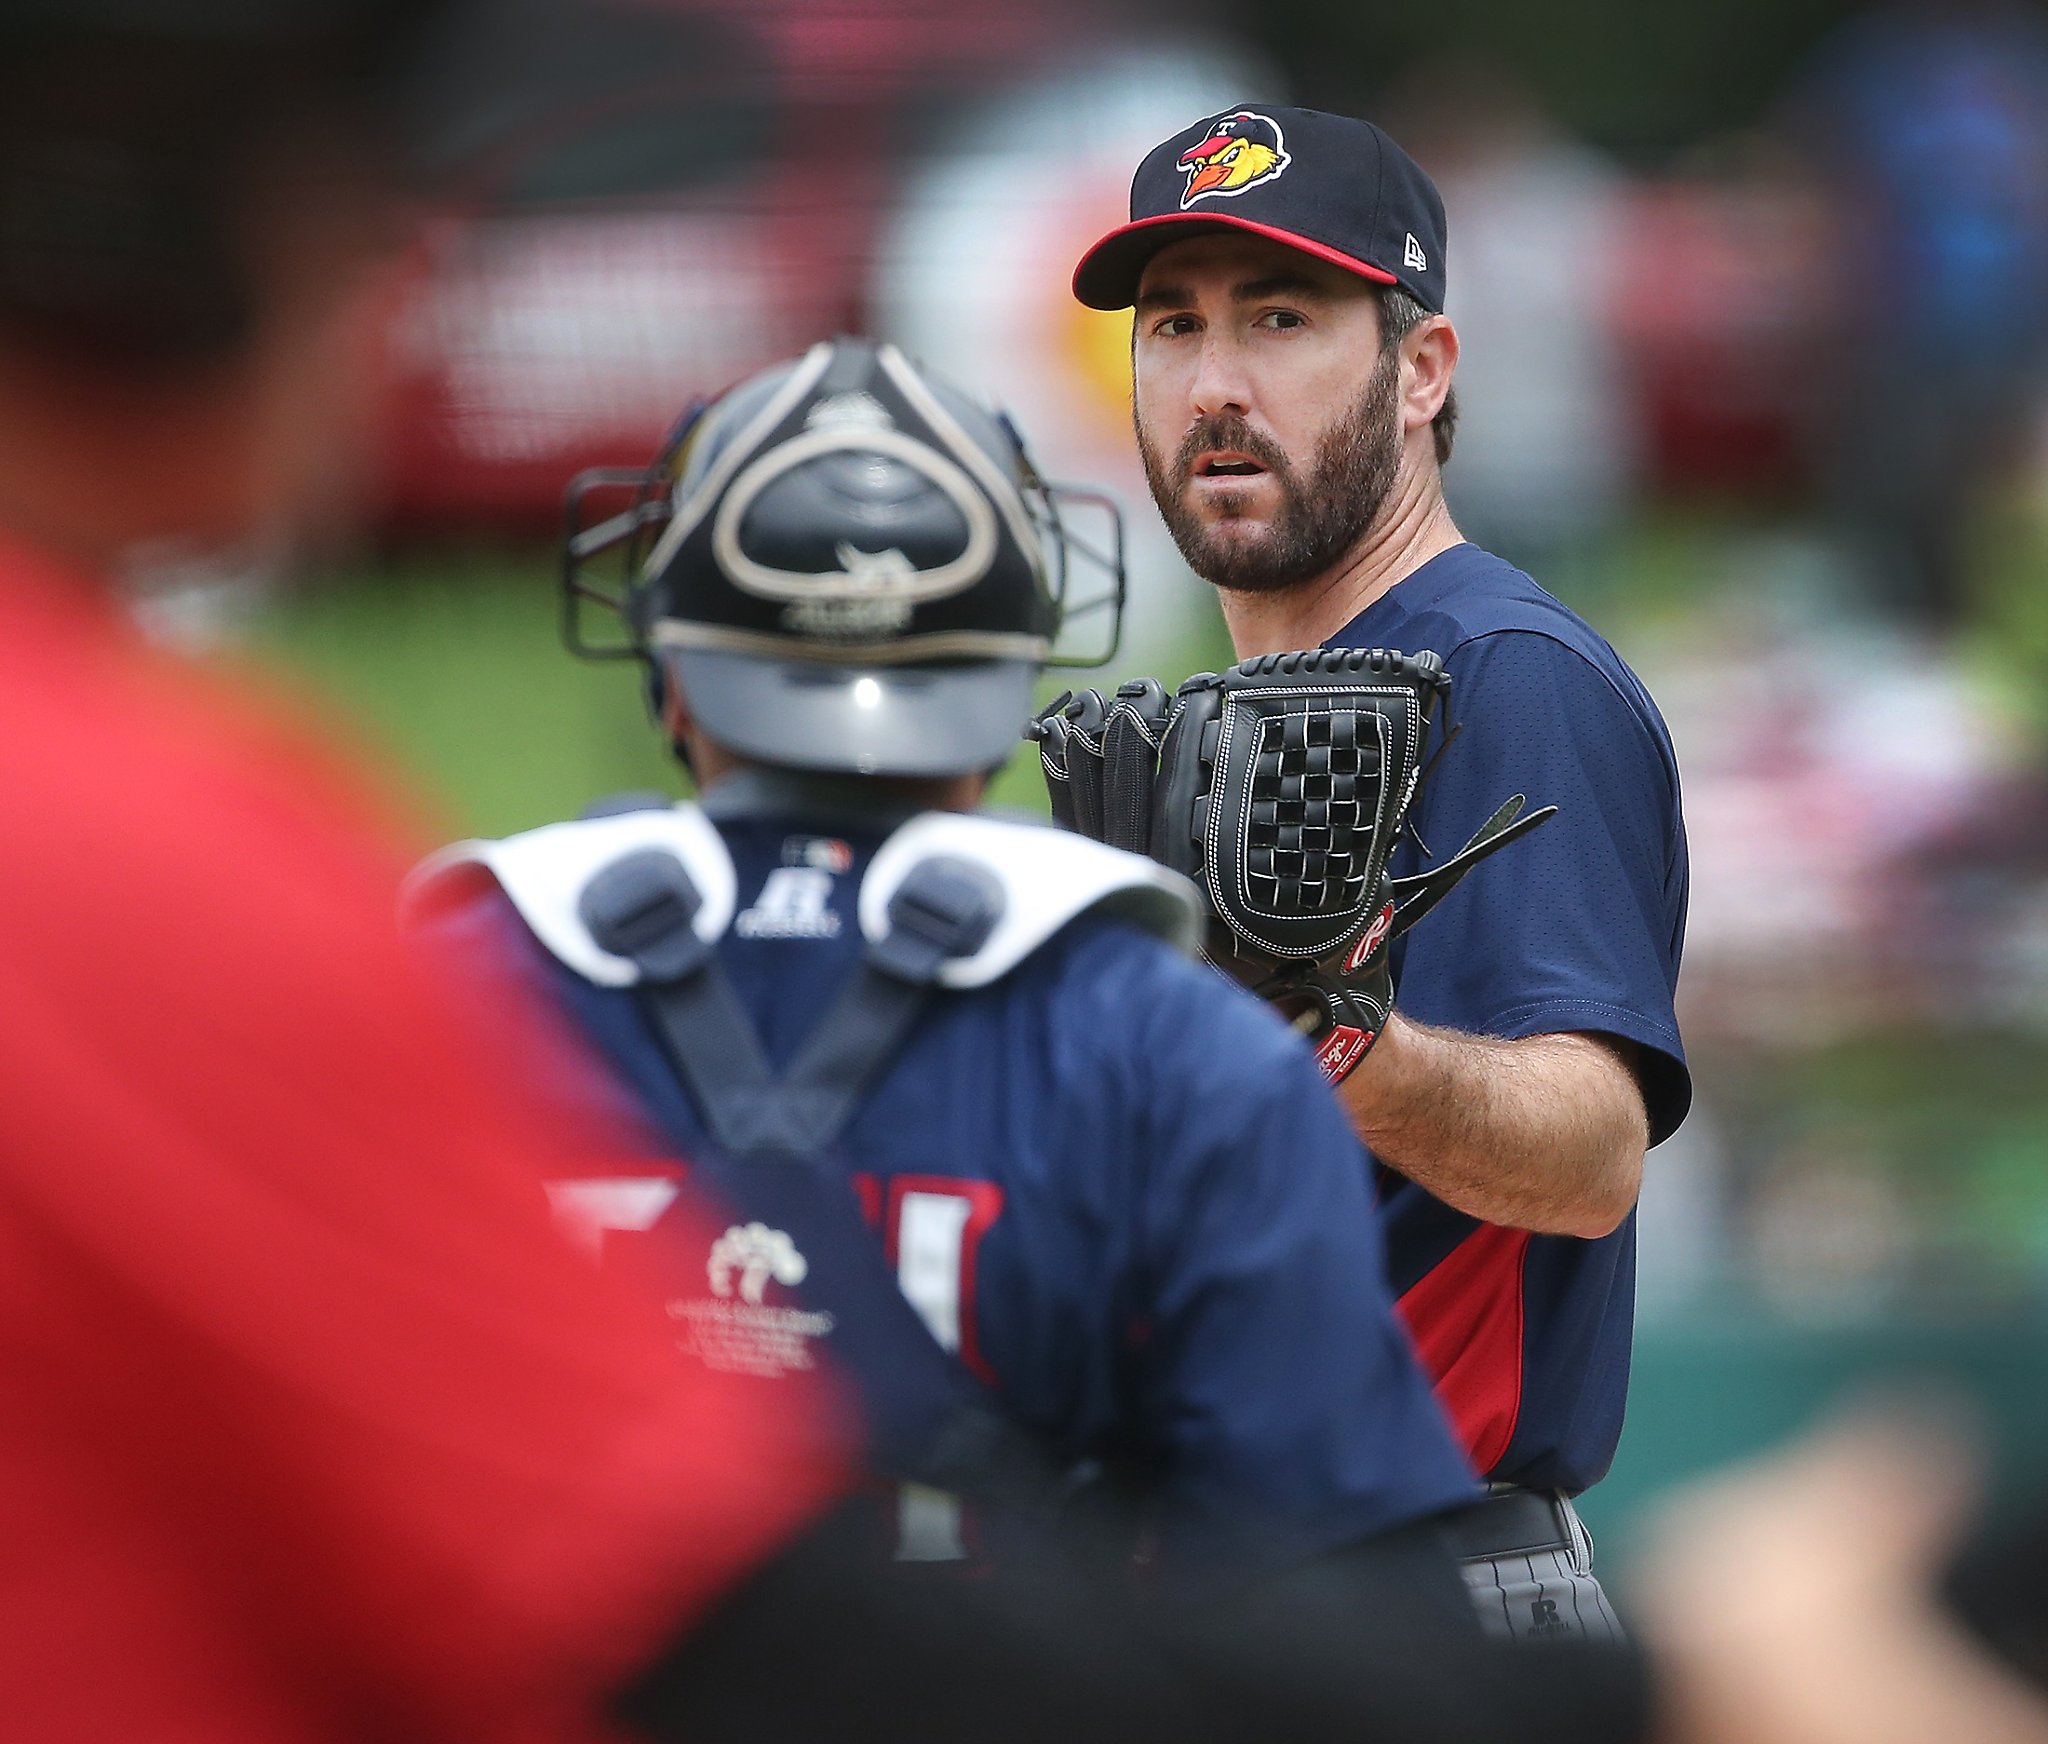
pixel 1323 512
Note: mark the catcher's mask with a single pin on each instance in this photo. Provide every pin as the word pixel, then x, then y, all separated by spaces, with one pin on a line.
pixel 843 565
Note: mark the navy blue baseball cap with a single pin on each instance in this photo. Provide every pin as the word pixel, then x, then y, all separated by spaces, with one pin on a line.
pixel 1334 187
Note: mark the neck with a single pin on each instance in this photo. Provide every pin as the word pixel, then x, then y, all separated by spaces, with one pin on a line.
pixel 1414 526
pixel 737 788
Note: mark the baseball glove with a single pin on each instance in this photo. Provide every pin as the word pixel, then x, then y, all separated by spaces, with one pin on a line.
pixel 1280 787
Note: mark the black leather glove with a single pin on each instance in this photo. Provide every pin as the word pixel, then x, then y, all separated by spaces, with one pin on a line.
pixel 1280 787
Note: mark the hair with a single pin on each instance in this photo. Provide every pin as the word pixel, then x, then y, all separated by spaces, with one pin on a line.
pixel 1400 315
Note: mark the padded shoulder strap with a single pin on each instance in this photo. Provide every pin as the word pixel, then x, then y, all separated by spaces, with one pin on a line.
pixel 546 871
pixel 1049 878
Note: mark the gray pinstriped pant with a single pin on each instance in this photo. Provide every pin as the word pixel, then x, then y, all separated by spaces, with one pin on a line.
pixel 1544 1593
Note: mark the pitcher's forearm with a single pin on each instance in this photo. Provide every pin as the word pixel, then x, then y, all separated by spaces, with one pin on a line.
pixel 1545 1132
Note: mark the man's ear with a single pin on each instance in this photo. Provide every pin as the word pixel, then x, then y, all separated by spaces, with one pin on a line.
pixel 673 711
pixel 1429 359
pixel 665 702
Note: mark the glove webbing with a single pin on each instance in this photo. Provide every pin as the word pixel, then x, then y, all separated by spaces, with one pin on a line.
pixel 1415 895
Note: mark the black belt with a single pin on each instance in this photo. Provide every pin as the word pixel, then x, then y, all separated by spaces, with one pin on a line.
pixel 1512 1523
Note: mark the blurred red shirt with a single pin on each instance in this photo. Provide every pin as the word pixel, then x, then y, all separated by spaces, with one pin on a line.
pixel 312 1426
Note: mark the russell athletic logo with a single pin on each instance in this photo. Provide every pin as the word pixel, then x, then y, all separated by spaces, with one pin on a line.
pixel 1242 151
pixel 795 903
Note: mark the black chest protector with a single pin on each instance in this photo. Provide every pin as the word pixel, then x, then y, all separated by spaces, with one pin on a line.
pixel 774 1159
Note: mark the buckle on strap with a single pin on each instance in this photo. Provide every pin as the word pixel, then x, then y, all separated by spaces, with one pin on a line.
pixel 641 907
pixel 946 907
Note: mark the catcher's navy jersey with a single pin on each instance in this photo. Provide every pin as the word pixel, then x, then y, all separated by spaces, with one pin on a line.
pixel 1575 929
pixel 1143 1219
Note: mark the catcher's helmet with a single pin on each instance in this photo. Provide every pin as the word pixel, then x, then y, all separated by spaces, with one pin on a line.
pixel 844 568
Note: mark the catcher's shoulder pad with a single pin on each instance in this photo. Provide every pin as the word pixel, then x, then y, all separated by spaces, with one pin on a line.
pixel 545 873
pixel 1049 877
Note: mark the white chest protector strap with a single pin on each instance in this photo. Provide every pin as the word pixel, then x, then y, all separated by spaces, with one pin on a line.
pixel 950 901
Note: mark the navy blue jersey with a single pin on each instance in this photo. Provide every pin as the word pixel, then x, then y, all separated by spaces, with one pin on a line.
pixel 1577 928
pixel 1140 1217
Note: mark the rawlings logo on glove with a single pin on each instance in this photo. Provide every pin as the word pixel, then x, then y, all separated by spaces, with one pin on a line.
pixel 1280 787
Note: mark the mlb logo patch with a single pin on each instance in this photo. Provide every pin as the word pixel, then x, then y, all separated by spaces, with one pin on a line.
pixel 826 853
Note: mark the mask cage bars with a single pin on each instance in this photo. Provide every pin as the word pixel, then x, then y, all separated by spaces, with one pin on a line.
pixel 627 532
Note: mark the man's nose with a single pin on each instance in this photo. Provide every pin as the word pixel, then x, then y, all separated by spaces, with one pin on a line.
pixel 1221 383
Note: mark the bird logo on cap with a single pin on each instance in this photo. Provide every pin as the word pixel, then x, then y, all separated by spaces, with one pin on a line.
pixel 1242 151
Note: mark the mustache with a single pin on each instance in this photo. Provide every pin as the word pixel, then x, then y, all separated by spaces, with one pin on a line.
pixel 1228 430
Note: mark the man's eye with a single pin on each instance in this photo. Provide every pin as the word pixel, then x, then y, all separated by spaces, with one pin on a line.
pixel 1280 318
pixel 1176 325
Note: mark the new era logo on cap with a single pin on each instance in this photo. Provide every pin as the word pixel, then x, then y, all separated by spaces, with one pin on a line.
pixel 1329 185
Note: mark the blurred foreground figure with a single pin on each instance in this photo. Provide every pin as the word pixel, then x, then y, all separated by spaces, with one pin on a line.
pixel 1057 1198
pixel 314 1429
pixel 1795 1602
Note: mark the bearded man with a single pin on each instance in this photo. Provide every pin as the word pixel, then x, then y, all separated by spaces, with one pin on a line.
pixel 1293 397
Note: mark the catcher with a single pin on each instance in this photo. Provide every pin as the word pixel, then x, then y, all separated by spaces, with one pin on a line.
pixel 1294 407
pixel 1053 1196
